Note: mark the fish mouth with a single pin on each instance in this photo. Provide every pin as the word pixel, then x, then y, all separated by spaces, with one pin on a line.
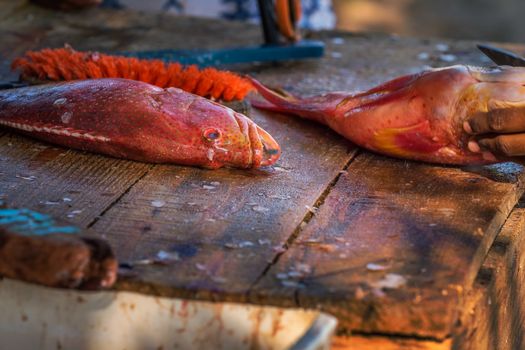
pixel 265 150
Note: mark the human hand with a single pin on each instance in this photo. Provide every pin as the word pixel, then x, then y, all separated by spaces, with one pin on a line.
pixel 497 132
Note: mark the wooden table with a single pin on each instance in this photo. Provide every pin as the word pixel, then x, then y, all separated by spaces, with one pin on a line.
pixel 390 247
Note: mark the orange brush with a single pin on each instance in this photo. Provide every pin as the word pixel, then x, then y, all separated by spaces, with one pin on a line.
pixel 68 64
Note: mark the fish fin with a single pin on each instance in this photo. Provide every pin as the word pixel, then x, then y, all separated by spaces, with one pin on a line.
pixel 393 85
pixel 259 102
pixel 316 108
pixel 406 141
pixel 279 100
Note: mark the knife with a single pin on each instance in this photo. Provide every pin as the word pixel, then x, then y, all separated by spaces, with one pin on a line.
pixel 502 57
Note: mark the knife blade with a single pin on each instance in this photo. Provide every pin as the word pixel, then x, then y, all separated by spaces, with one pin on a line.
pixel 502 57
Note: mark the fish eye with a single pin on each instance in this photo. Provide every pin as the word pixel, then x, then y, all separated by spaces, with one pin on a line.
pixel 212 134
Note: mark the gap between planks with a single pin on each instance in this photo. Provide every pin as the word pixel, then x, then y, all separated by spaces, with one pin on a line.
pixel 306 219
pixel 395 336
pixel 126 191
pixel 365 342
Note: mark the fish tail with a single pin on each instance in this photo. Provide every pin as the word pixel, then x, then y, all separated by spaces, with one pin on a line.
pixel 284 102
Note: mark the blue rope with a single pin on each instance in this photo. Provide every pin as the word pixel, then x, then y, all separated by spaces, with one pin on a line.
pixel 31 223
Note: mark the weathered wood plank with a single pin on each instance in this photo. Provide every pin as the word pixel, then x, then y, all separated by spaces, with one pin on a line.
pixel 491 314
pixel 224 225
pixel 395 244
pixel 110 30
pixel 64 183
pixel 496 319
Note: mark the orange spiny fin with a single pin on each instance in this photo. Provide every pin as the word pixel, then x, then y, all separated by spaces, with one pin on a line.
pixel 68 64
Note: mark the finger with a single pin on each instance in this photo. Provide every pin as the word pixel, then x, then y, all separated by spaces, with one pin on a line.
pixel 505 145
pixel 474 148
pixel 505 120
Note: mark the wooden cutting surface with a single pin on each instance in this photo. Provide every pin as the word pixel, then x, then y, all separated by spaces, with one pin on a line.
pixel 387 246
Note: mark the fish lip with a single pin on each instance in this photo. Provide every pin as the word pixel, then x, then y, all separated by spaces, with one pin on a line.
pixel 263 149
pixel 256 146
pixel 271 151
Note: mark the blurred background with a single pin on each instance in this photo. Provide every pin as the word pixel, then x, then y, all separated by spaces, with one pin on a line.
pixel 495 20
pixel 487 20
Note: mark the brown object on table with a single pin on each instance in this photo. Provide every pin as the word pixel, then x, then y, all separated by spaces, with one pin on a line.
pixel 36 248
pixel 57 260
pixel 390 247
pixel 67 4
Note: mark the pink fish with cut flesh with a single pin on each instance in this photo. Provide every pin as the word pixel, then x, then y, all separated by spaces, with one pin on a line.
pixel 137 121
pixel 418 116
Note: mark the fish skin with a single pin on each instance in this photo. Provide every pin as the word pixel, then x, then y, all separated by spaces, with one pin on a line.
pixel 417 117
pixel 137 121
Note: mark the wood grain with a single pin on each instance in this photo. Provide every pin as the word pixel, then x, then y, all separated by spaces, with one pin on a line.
pixel 494 318
pixel 491 313
pixel 394 245
pixel 72 185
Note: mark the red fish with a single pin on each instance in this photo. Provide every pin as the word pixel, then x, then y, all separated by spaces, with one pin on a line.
pixel 418 117
pixel 138 121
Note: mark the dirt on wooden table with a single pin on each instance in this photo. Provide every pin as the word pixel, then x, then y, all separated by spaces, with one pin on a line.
pixel 388 246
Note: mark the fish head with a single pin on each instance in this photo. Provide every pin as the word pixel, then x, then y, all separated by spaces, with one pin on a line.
pixel 453 94
pixel 220 136
pixel 494 88
pixel 421 116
